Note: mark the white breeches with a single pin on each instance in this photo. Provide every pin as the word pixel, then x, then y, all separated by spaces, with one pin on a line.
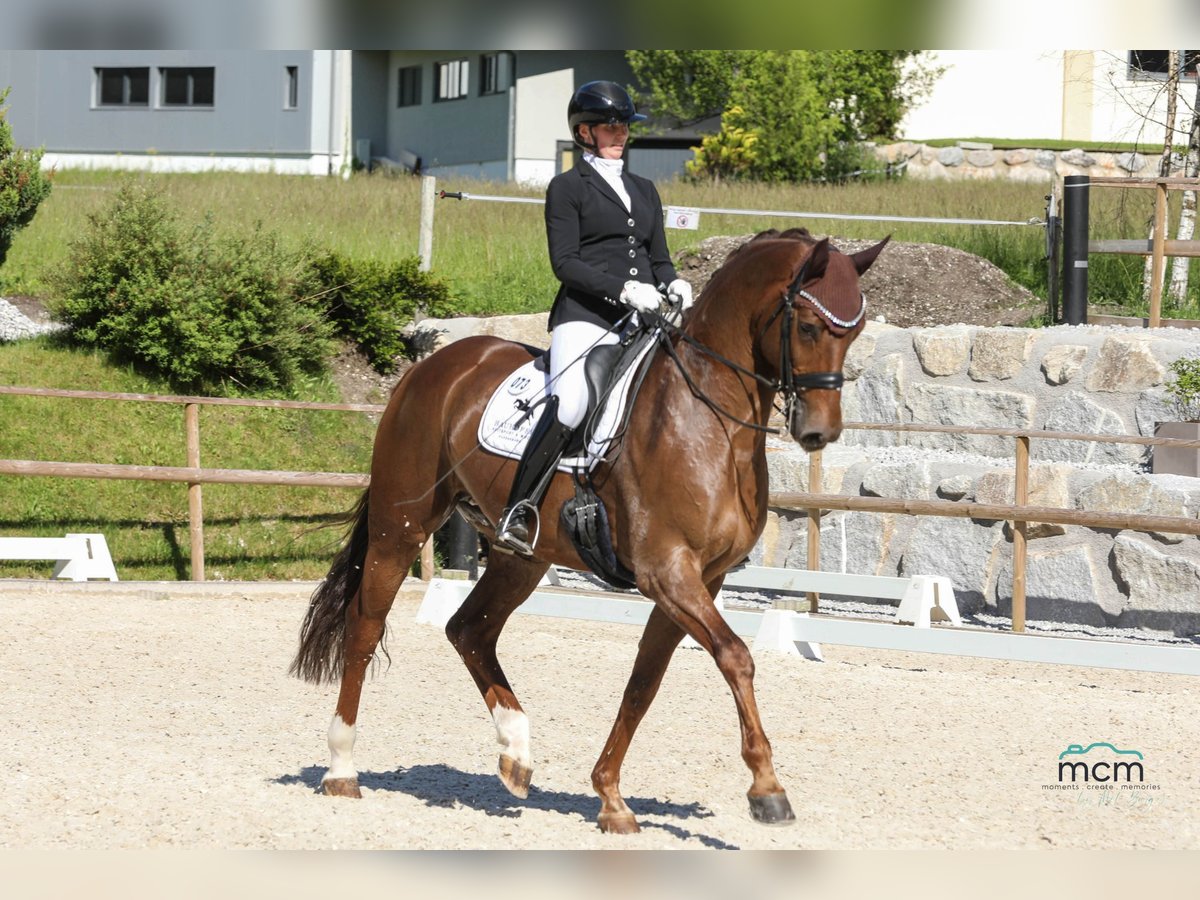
pixel 569 344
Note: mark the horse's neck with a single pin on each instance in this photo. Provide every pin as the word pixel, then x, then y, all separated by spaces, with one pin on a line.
pixel 727 330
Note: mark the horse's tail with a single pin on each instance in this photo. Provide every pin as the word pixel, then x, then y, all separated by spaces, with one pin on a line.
pixel 319 658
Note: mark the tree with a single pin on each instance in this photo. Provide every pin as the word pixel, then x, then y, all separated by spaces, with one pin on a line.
pixel 23 184
pixel 791 115
pixel 1187 212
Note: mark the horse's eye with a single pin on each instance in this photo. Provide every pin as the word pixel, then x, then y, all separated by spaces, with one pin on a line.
pixel 807 329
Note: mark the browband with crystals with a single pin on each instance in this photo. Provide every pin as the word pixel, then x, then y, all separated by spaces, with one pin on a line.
pixel 817 305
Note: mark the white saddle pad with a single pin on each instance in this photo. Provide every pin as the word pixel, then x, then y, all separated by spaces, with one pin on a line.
pixel 505 428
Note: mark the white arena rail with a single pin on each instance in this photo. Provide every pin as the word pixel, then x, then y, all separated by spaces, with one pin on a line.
pixel 796 633
pixel 76 557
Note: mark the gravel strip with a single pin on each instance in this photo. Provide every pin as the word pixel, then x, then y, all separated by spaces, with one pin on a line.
pixel 15 325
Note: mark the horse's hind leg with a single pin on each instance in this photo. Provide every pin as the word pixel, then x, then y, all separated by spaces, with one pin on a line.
pixel 658 643
pixel 474 631
pixel 384 568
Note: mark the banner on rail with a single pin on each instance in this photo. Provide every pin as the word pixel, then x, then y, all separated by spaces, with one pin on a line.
pixel 683 217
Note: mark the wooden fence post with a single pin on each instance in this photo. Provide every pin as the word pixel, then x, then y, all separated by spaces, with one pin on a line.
pixel 1020 533
pixel 191 416
pixel 427 559
pixel 814 526
pixel 425 238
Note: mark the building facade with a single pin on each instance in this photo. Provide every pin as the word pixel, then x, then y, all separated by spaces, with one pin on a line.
pixel 182 110
pixel 495 114
pixel 1093 97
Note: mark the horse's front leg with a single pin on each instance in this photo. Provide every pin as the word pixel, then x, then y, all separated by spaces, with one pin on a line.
pixel 679 592
pixel 658 643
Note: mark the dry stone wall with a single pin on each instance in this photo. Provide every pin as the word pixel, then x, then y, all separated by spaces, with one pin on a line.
pixel 980 161
pixel 1083 379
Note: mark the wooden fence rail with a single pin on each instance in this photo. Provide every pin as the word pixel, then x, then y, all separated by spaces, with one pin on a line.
pixel 1158 248
pixel 1019 513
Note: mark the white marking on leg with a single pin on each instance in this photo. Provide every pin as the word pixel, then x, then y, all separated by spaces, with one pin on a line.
pixel 341 747
pixel 512 733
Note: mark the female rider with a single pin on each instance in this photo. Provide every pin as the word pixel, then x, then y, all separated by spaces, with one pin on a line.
pixel 604 228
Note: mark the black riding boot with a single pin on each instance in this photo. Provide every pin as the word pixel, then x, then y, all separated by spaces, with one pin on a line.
pixel 535 470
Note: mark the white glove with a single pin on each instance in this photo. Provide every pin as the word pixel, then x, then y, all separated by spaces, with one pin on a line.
pixel 641 296
pixel 681 291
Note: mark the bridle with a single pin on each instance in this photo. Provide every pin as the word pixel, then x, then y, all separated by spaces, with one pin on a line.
pixel 788 384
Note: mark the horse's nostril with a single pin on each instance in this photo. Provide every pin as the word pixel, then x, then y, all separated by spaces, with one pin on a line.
pixel 812 440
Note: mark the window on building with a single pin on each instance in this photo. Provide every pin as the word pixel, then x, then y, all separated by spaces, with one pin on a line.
pixel 291 87
pixel 188 86
pixel 1157 63
pixel 495 72
pixel 408 86
pixel 451 79
pixel 123 87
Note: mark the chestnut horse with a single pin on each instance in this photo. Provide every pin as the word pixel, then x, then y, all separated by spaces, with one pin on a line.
pixel 686 496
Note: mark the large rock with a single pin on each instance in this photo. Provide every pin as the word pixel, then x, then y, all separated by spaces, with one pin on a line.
pixel 529 329
pixel 899 480
pixel 1062 362
pixel 1077 157
pixel 948 405
pixel 1135 495
pixel 859 355
pixel 876 396
pixel 1125 364
pixel 951 156
pixel 999 353
pixel 942 351
pixel 1049 485
pixel 1164 590
pixel 857 542
pixel 1076 412
pixel 1062 584
pixel 962 550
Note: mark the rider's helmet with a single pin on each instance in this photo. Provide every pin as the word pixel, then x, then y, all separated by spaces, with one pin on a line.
pixel 597 102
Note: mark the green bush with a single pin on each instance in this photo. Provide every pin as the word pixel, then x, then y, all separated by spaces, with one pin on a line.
pixel 1184 387
pixel 23 184
pixel 370 302
pixel 204 310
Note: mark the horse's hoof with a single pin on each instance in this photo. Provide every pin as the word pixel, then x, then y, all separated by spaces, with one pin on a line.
pixel 341 787
pixel 618 823
pixel 771 809
pixel 515 776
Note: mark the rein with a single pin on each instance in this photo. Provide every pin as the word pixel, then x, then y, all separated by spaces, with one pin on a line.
pixel 789 384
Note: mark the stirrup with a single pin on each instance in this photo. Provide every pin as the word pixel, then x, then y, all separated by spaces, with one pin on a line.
pixel 506 540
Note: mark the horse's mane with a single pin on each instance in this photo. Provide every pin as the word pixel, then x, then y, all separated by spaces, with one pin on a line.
pixel 791 234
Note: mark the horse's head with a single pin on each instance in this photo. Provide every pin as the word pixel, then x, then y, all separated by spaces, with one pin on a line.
pixel 804 332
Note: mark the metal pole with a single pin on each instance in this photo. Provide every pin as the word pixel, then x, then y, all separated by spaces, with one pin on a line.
pixel 463 546
pixel 1076 189
pixel 425 245
pixel 191 418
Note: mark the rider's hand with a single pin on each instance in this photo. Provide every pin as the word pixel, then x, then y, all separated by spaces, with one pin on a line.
pixel 680 291
pixel 641 296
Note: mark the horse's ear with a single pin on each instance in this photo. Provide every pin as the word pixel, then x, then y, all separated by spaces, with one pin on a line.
pixel 863 258
pixel 818 259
